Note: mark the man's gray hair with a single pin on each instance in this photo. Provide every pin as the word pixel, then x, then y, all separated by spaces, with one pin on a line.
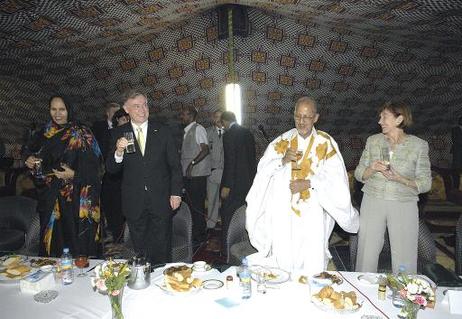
pixel 307 100
pixel 132 93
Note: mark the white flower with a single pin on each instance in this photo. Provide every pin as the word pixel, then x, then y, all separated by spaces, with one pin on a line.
pixel 412 288
pixel 101 285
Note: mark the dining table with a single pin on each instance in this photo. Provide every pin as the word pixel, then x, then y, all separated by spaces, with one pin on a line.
pixel 281 300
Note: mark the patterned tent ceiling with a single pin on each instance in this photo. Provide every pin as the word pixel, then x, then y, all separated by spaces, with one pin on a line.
pixel 350 55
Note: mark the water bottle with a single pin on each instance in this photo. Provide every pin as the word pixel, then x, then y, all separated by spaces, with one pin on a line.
pixel 245 280
pixel 66 267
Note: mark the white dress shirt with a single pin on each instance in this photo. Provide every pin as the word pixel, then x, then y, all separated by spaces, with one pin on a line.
pixel 201 133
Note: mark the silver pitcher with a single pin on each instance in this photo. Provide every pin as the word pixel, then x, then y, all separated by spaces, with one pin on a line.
pixel 140 274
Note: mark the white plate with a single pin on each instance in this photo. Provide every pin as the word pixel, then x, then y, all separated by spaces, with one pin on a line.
pixel 166 290
pixel 212 284
pixel 6 280
pixel 369 279
pixel 280 276
pixel 326 308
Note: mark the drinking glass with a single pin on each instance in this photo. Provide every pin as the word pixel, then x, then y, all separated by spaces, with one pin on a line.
pixel 37 170
pixel 261 282
pixel 131 142
pixel 299 155
pixel 385 156
pixel 81 262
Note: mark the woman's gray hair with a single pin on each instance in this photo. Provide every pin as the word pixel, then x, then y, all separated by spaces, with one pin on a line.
pixel 306 100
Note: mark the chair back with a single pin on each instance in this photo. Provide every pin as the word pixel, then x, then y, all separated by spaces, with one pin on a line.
pixel 17 212
pixel 236 230
pixel 19 224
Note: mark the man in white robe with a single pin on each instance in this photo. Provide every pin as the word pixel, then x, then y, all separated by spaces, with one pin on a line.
pixel 296 199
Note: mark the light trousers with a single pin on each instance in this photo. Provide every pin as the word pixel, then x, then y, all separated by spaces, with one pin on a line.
pixel 402 221
pixel 213 197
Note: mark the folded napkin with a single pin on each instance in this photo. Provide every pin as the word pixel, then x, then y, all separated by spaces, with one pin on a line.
pixel 455 301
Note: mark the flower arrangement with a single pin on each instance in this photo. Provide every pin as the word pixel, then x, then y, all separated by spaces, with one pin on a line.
pixel 417 293
pixel 110 279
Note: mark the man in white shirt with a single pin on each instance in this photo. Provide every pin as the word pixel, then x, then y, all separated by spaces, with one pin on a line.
pixel 196 167
pixel 151 179
pixel 215 138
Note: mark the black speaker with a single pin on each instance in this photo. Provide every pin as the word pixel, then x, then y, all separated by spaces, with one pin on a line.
pixel 240 21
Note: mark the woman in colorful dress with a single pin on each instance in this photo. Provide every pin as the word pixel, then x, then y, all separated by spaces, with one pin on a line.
pixel 66 163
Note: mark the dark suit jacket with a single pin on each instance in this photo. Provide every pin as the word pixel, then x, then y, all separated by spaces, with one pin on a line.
pixel 101 131
pixel 240 162
pixel 159 170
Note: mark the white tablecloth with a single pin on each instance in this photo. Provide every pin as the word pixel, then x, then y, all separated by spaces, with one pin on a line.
pixel 80 301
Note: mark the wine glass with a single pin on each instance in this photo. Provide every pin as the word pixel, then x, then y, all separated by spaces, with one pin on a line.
pixel 81 262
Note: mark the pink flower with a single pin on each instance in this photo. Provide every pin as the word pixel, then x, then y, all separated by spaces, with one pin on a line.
pixel 115 293
pixel 420 300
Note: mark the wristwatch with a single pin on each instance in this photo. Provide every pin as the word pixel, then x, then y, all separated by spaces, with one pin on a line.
pixel 193 162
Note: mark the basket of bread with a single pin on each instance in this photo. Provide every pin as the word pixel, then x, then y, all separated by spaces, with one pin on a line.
pixel 14 268
pixel 178 279
pixel 328 299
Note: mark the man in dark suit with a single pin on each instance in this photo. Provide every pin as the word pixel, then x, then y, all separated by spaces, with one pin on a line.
pixel 239 167
pixel 151 179
pixel 101 128
pixel 456 150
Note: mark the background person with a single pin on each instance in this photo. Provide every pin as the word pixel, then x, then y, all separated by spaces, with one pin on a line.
pixel 240 165
pixel 196 167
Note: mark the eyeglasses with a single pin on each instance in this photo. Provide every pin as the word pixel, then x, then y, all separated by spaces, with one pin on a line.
pixel 299 118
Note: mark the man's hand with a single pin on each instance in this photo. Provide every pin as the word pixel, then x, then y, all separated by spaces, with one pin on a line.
pixel 225 192
pixel 189 170
pixel 290 156
pixel 66 174
pixel 299 185
pixel 175 202
pixel 121 145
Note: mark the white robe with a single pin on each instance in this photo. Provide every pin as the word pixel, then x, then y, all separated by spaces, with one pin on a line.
pixel 283 238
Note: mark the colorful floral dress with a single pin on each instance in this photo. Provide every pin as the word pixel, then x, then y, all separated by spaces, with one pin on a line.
pixel 69 210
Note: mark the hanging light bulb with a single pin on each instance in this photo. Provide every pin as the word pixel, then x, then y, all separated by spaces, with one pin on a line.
pixel 233 100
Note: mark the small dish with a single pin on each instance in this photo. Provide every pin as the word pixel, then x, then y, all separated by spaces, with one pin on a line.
pixel 325 279
pixel 202 269
pixel 46 268
pixel 212 284
pixel 369 279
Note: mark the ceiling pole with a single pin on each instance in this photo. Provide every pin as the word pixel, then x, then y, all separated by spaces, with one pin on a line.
pixel 232 73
